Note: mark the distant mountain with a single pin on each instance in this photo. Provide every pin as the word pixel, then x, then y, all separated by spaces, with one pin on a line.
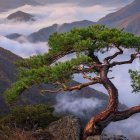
pixel 77 24
pixel 21 16
pixel 13 36
pixel 43 34
pixel 127 17
pixel 7 73
pixel 7 67
pixel 8 4
pixel 130 24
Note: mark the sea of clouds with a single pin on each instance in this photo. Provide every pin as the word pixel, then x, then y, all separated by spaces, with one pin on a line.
pixel 45 16
pixel 51 14
pixel 24 49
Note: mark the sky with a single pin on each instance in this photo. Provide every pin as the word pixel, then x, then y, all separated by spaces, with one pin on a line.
pixel 86 3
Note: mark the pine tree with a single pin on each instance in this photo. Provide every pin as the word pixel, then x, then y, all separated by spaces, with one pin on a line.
pixel 84 43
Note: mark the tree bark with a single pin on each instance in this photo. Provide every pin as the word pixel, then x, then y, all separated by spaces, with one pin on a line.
pixel 96 125
pixel 121 115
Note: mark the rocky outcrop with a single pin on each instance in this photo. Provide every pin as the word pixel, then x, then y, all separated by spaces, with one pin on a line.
pixel 67 128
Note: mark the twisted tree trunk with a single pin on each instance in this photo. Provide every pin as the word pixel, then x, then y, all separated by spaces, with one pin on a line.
pixel 96 125
pixel 111 114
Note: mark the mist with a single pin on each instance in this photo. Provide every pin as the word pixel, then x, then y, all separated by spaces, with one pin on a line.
pixel 48 15
pixel 129 128
pixel 70 103
pixel 73 104
pixel 86 3
pixel 24 49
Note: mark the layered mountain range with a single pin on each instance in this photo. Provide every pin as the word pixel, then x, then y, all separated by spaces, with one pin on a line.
pixel 43 34
pixel 127 18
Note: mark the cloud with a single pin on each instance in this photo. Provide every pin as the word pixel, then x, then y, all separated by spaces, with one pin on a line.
pixel 87 3
pixel 129 128
pixel 48 15
pixel 85 108
pixel 80 107
pixel 59 12
pixel 25 49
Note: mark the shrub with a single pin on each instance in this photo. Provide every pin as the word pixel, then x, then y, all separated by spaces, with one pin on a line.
pixel 29 117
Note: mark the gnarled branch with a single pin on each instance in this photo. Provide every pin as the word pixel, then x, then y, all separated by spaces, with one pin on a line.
pixel 52 91
pixel 132 58
pixel 121 115
pixel 109 58
pixel 95 80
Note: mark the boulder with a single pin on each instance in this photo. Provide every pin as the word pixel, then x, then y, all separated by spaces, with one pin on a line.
pixel 67 128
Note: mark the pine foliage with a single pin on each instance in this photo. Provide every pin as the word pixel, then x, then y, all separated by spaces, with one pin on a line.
pixel 46 68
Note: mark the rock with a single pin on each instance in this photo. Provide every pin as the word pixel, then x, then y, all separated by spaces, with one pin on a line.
pixel 94 138
pixel 67 128
pixel 43 135
pixel 113 137
pixel 107 137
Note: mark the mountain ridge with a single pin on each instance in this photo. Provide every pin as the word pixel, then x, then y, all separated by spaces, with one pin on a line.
pixel 124 12
pixel 21 16
pixel 44 33
pixel 7 74
pixel 127 17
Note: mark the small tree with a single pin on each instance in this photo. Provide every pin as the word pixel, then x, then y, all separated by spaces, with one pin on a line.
pixel 135 76
pixel 84 43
